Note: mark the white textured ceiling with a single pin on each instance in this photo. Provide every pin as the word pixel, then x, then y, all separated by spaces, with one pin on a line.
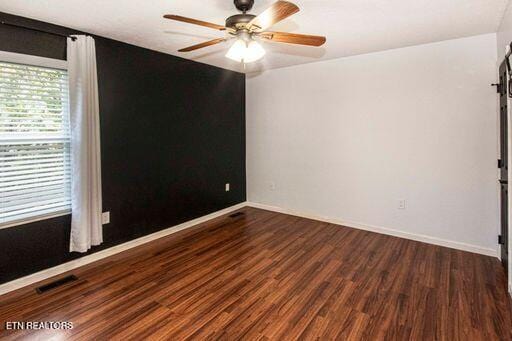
pixel 351 26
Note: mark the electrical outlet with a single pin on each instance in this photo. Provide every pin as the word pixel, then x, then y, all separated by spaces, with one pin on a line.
pixel 272 186
pixel 227 187
pixel 105 218
pixel 401 204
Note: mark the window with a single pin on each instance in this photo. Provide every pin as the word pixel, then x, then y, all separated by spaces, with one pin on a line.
pixel 34 140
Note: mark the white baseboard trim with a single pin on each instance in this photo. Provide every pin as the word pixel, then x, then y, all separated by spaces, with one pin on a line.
pixel 382 230
pixel 57 270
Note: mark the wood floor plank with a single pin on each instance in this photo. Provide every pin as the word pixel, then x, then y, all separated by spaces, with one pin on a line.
pixel 270 276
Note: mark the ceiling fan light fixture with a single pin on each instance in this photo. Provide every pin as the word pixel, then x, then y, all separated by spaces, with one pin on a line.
pixel 245 52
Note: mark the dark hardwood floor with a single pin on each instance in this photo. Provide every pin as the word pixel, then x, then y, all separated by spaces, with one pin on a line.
pixel 266 275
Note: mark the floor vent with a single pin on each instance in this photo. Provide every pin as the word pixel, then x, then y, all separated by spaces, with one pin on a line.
pixel 237 214
pixel 56 284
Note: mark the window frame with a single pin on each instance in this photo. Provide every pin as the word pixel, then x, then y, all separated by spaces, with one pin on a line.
pixel 18 58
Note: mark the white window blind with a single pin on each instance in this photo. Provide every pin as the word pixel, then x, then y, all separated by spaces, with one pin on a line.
pixel 34 142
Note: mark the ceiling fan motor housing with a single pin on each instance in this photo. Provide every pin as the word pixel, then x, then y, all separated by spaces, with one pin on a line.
pixel 244 5
pixel 239 21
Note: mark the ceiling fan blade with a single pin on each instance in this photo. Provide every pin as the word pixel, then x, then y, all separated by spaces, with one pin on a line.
pixel 272 15
pixel 293 38
pixel 194 21
pixel 200 46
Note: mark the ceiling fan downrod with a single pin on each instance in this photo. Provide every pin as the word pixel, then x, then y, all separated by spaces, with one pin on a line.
pixel 244 5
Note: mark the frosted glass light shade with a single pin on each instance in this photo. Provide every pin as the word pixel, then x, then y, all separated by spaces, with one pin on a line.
pixel 237 51
pixel 253 52
pixel 240 51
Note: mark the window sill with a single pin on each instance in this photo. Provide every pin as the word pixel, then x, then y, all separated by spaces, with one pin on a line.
pixel 34 219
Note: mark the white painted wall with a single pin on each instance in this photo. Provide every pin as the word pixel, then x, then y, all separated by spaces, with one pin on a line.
pixel 503 38
pixel 346 139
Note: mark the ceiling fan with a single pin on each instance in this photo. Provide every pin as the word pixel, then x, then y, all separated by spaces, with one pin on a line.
pixel 248 28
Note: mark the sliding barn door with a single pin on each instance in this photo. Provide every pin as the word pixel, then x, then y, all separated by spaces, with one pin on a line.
pixel 503 163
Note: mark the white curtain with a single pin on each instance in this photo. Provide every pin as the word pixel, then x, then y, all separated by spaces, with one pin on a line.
pixel 86 205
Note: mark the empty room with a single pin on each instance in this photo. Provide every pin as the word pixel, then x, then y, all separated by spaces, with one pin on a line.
pixel 255 170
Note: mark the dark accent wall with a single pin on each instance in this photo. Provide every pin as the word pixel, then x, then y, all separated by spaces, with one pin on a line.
pixel 172 134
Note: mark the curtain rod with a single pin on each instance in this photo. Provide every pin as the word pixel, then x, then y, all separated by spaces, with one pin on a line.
pixel 37 30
